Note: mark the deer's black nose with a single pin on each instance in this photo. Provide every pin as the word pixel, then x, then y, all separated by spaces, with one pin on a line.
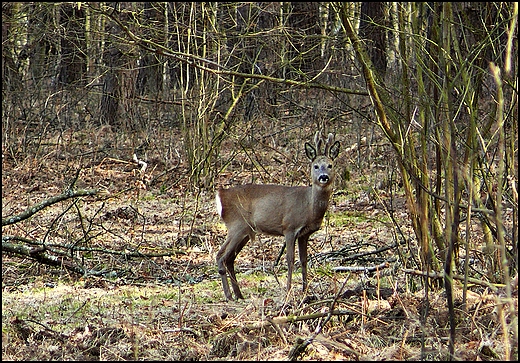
pixel 324 178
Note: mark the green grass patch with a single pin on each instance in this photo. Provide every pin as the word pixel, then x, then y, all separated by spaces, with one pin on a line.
pixel 352 218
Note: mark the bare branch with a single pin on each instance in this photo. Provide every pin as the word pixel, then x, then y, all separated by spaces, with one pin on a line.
pixel 41 255
pixel 218 69
pixel 46 203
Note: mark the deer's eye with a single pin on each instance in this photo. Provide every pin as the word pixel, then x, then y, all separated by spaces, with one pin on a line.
pixel 316 167
pixel 330 166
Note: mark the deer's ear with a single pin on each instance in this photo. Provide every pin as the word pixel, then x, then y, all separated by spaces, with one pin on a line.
pixel 310 151
pixel 334 150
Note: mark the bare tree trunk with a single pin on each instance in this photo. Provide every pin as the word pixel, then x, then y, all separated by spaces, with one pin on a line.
pixel 305 54
pixel 372 29
pixel 73 65
pixel 118 100
pixel 109 109
pixel 149 78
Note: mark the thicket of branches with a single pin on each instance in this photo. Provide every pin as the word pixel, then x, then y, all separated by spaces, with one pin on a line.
pixel 437 80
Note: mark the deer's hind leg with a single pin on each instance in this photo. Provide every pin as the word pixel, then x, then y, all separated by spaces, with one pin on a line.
pixel 226 261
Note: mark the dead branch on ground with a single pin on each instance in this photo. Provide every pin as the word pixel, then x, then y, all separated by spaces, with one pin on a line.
pixel 46 203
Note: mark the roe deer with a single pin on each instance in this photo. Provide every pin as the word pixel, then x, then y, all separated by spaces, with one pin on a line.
pixel 293 212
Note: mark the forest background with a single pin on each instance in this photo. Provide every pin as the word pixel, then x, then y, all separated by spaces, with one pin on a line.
pixel 120 120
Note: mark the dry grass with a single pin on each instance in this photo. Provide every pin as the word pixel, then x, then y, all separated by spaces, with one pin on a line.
pixel 171 307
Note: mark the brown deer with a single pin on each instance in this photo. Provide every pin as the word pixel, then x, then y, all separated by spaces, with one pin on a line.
pixel 293 212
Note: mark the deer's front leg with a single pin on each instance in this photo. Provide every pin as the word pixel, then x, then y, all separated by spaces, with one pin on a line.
pixel 302 250
pixel 290 242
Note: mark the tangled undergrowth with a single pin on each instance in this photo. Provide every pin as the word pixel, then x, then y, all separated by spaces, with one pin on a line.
pixel 153 291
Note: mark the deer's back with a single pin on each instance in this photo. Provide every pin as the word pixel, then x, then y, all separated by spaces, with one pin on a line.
pixel 267 208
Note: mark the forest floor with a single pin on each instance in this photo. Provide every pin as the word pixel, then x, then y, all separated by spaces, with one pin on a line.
pixel 154 292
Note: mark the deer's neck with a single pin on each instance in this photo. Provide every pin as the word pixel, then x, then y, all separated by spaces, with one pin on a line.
pixel 319 200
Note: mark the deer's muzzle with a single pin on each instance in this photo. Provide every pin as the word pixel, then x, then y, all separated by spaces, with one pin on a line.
pixel 324 178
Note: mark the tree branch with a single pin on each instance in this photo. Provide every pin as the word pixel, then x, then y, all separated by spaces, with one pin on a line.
pixel 41 255
pixel 218 69
pixel 47 202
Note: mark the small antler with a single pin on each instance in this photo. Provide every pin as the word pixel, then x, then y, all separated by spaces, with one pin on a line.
pixel 329 143
pixel 317 142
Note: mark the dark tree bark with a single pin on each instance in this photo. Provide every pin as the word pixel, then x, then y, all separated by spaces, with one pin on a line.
pixel 149 78
pixel 73 65
pixel 304 19
pixel 118 99
pixel 372 31
pixel 42 47
pixel 111 95
pixel 11 77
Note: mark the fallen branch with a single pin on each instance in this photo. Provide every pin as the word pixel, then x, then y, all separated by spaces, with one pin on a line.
pixel 47 202
pixel 41 255
pixel 435 275
pixel 361 268
pixel 53 247
pixel 62 255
